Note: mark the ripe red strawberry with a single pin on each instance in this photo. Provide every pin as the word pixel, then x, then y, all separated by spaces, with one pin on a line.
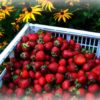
pixel 16 79
pixel 96 70
pixel 47 37
pixel 24 83
pixel 53 67
pixel 80 59
pixel 81 91
pixel 47 57
pixel 31 74
pixel 49 78
pixel 72 67
pixel 62 69
pixel 37 88
pixel 59 78
pixel 58 92
pixel 25 55
pixel 70 61
pixel 86 67
pixel 11 85
pixel 38 75
pixel 64 45
pixel 31 44
pixel 42 81
pixel 25 74
pixel 44 69
pixel 17 65
pixel 25 47
pixel 77 47
pixel 17 71
pixel 47 87
pixel 81 73
pixel 9 91
pixel 57 43
pixel 89 55
pixel 93 88
pixel 62 62
pixel 39 47
pixel 97 61
pixel 82 79
pixel 72 43
pixel 40 56
pixel 67 54
pixel 89 96
pixel 19 92
pixel 60 39
pixel 19 47
pixel 48 45
pixel 24 39
pixel 36 81
pixel 33 37
pixel 55 51
pixel 65 84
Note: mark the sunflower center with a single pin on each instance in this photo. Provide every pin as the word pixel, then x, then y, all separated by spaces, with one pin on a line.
pixel 3 7
pixel 62 13
pixel 29 9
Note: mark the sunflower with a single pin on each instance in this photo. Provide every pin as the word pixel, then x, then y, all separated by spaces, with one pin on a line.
pixel 72 2
pixel 46 4
pixel 15 26
pixel 62 15
pixel 2 15
pixel 29 13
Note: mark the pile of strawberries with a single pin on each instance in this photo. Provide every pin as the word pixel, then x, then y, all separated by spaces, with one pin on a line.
pixel 47 67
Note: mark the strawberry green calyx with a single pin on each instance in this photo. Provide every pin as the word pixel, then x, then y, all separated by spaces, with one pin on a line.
pixel 25 45
pixel 57 43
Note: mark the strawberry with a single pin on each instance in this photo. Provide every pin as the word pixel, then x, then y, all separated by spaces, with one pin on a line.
pixel 25 47
pixel 11 85
pixel 19 47
pixel 17 65
pixel 49 78
pixel 81 92
pixel 39 47
pixel 40 56
pixel 47 87
pixel 25 74
pixel 59 78
pixel 31 44
pixel 24 39
pixel 89 55
pixel 82 79
pixel 81 73
pixel 79 59
pixel 25 55
pixel 97 61
pixel 57 43
pixel 58 91
pixel 96 70
pixel 19 92
pixel 42 81
pixel 36 81
pixel 38 75
pixel 17 71
pixel 72 68
pixel 86 67
pixel 64 45
pixel 32 36
pixel 62 62
pixel 16 79
pixel 44 69
pixel 53 67
pixel 72 43
pixel 61 69
pixel 67 54
pixel 9 91
pixel 31 74
pixel 93 88
pixel 77 47
pixel 55 51
pixel 48 45
pixel 24 83
pixel 47 37
pixel 70 61
pixel 89 96
pixel 65 84
pixel 37 88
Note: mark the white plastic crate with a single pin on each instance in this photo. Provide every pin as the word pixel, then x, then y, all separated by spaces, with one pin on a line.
pixel 88 40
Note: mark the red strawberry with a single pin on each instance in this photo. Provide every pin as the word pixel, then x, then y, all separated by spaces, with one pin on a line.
pixel 97 61
pixel 58 91
pixel 67 54
pixel 89 96
pixel 25 47
pixel 72 68
pixel 31 74
pixel 17 71
pixel 55 51
pixel 86 67
pixel 93 88
pixel 82 79
pixel 59 78
pixel 40 56
pixel 70 61
pixel 42 81
pixel 77 47
pixel 17 65
pixel 37 88
pixel 19 46
pixel 24 39
pixel 80 59
pixel 47 88
pixel 64 45
pixel 24 83
pixel 57 43
pixel 11 85
pixel 65 84
pixel 39 47
pixel 96 70
pixel 9 91
pixel 72 43
pixel 25 55
pixel 36 81
pixel 62 69
pixel 47 37
pixel 81 73
pixel 62 62
pixel 31 44
pixel 25 74
pixel 19 92
pixel 53 67
pixel 16 79
pixel 81 91
pixel 89 55
pixel 49 78
pixel 44 69
pixel 38 75
pixel 48 45
pixel 33 37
